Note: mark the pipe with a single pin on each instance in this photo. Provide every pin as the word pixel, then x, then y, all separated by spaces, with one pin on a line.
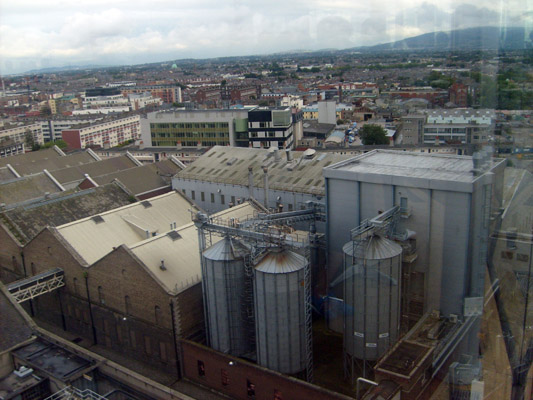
pixel 265 184
pixel 365 381
pixel 250 182
pixel 178 369
pixel 86 276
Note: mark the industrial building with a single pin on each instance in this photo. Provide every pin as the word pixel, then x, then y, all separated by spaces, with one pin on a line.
pixel 278 179
pixel 465 126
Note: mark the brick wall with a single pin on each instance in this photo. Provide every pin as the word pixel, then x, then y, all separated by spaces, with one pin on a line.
pixel 11 267
pixel 213 369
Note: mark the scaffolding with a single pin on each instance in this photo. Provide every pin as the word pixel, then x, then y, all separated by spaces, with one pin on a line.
pixel 37 285
pixel 260 234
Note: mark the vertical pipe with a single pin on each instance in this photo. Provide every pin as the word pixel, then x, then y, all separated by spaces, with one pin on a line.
pixel 265 184
pixel 86 276
pixel 61 308
pixel 178 359
pixel 250 182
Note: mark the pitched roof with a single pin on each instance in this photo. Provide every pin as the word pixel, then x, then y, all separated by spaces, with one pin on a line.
pixel 109 165
pixel 180 252
pixel 30 157
pixel 230 165
pixel 27 188
pixel 30 219
pixel 142 179
pixel 94 237
pixel 26 165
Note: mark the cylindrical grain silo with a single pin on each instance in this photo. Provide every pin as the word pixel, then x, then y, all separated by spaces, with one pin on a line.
pixel 224 282
pixel 280 313
pixel 372 268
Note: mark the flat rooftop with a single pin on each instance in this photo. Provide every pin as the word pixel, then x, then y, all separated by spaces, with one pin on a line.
pixel 383 166
pixel 53 360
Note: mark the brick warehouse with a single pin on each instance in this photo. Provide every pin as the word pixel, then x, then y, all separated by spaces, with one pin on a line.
pixel 137 296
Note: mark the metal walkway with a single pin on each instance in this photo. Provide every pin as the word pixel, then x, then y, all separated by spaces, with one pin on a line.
pixel 34 286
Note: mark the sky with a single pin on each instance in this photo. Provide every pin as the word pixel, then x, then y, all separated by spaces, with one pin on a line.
pixel 38 34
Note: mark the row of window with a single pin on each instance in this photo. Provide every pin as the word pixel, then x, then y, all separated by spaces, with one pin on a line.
pixel 208 125
pixel 190 143
pixel 189 134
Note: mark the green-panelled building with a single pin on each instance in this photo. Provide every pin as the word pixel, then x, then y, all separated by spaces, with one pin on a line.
pixel 195 128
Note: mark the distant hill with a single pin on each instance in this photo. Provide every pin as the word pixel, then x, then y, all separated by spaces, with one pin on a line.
pixel 482 38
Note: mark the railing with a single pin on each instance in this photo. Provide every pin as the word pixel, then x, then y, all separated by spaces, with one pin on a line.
pixel 72 393
pixel 29 288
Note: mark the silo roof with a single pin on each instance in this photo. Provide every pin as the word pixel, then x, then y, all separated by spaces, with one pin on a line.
pixel 374 248
pixel 281 262
pixel 225 250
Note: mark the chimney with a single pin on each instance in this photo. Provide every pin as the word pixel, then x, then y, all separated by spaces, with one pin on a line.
pixel 277 156
pixel 265 184
pixel 289 155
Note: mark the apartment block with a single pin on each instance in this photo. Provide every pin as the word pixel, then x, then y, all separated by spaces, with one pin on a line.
pixel 105 134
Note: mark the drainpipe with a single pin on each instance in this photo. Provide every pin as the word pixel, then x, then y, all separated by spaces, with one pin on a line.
pixel 178 359
pixel 250 182
pixel 86 276
pixel 265 184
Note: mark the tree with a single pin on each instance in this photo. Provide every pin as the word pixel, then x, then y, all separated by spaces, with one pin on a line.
pixel 30 141
pixel 46 111
pixel 373 134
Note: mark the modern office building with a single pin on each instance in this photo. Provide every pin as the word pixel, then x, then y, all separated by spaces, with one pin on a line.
pixel 271 127
pixel 195 128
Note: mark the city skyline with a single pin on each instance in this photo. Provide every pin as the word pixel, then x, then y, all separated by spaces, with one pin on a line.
pixel 36 35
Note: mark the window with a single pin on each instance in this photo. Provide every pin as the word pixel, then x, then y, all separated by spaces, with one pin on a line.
pixel 212 197
pixel 74 281
pixel 101 298
pixel 202 196
pixel 222 199
pixel 201 368
pixel 290 207
pixel 157 315
pixel 193 195
pixel 250 389
pixel 224 377
pixel 522 257
pixel 233 199
pixel 127 304
pixel 507 255
pixel 163 351
pixel 133 339
pixel 147 345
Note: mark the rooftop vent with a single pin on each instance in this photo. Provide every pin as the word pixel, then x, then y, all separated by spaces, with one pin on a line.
pixel 146 204
pixel 174 235
pixel 231 161
pixel 97 219
pixel 23 372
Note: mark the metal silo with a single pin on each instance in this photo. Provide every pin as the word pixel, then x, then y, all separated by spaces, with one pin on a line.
pixel 224 283
pixel 281 320
pixel 372 268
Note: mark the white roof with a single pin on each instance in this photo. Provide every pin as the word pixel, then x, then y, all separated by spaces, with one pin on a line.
pixel 181 254
pixel 96 236
pixel 409 164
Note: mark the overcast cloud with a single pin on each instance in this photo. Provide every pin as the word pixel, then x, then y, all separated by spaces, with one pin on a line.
pixel 37 34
